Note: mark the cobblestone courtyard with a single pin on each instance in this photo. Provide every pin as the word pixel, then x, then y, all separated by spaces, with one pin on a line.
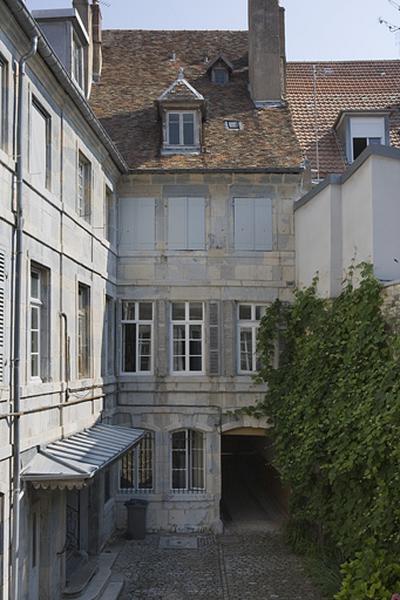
pixel 241 564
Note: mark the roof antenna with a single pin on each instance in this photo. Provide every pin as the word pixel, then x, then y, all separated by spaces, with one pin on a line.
pixel 316 119
pixel 181 74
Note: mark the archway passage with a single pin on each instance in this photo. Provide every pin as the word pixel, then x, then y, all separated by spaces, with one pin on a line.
pixel 252 491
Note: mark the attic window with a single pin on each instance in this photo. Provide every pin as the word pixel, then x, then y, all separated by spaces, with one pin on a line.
pixel 233 125
pixel 219 75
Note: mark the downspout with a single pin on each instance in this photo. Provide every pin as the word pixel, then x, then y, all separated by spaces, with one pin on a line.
pixel 16 385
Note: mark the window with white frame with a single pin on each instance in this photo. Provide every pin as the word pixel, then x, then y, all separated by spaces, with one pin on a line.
pixel 137 335
pixel 186 223
pixel 187 322
pixel 249 317
pixel 181 128
pixel 77 62
pixel 187 461
pixel 83 331
pixel 39 325
pixel 253 224
pixel 3 102
pixel 137 466
pixel 40 145
pixel 366 131
pixel 109 215
pixel 84 187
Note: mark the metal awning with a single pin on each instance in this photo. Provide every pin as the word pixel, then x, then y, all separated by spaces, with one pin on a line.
pixel 71 462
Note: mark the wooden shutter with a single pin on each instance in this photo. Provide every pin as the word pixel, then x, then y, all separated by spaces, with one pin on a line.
pixel 195 224
pixel 229 329
pixel 262 224
pixel 244 223
pixel 214 341
pixel 137 224
pixel 177 223
pixel 161 338
pixel 2 313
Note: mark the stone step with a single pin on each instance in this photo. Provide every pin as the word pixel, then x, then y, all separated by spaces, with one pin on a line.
pixel 114 588
pixel 80 578
pixel 101 580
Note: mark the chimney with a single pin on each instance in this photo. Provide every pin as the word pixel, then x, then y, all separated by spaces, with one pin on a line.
pixel 83 9
pixel 97 40
pixel 267 54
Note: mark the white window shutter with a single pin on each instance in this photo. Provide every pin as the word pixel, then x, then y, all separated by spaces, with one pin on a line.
pixel 195 223
pixel 262 224
pixel 144 225
pixel 177 220
pixel 244 223
pixel 2 314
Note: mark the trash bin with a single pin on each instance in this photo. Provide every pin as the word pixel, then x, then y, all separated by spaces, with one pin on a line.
pixel 136 529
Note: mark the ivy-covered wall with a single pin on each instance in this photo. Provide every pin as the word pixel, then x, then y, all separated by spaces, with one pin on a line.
pixel 335 403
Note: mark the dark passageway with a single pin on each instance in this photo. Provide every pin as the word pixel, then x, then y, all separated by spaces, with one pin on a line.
pixel 251 487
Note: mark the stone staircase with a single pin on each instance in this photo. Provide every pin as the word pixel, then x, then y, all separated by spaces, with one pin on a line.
pixel 95 581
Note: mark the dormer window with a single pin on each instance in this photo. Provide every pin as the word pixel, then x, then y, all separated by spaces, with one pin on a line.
pixel 181 109
pixel 181 128
pixel 220 75
pixel 77 61
pixel 358 130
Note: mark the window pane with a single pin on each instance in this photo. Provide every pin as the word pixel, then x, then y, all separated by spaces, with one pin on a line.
pixel 246 350
pixel 145 466
pixel 260 312
pixel 375 141
pixel 195 363
pixel 197 460
pixel 359 144
pixel 178 311
pixel 35 317
pixel 34 365
pixel 179 440
pixel 145 347
pixel 244 312
pixel 145 311
pixel 195 332
pixel 128 311
pixel 196 311
pixel 178 480
pixel 173 127
pixel 129 347
pixel 188 129
pixel 220 76
pixel 35 285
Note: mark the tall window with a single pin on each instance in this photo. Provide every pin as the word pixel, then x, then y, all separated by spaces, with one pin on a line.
pixel 108 337
pixel 250 316
pixel 3 103
pixel 186 223
pixel 39 325
pixel 137 333
pixel 40 146
pixel 181 128
pixel 187 462
pixel 253 224
pixel 83 331
pixel 84 187
pixel 137 466
pixel 109 215
pixel 187 337
pixel 77 62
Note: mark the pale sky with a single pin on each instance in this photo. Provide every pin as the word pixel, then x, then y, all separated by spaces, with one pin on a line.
pixel 315 29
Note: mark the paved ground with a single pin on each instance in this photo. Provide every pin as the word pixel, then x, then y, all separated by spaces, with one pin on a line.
pixel 248 562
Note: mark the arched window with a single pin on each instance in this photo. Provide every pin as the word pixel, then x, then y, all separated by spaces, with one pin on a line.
pixel 137 466
pixel 187 460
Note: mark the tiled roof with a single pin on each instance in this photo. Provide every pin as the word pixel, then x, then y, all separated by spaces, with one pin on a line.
pixel 138 68
pixel 341 86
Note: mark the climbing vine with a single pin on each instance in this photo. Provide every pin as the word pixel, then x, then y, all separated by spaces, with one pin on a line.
pixel 335 403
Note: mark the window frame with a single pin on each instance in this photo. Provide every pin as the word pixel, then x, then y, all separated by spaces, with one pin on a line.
pixel 135 468
pixel 268 243
pixel 86 313
pixel 109 214
pixel 187 323
pixel 137 322
pixel 253 324
pixel 219 69
pixel 39 304
pixel 38 106
pixel 189 462
pixel 77 51
pixel 84 187
pixel 181 143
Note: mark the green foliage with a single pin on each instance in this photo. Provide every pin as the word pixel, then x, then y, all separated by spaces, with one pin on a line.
pixel 334 400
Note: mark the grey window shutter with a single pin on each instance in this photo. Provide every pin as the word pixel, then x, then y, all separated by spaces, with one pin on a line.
pixel 244 223
pixel 214 342
pixel 229 333
pixel 195 223
pixel 2 314
pixel 144 224
pixel 262 224
pixel 177 220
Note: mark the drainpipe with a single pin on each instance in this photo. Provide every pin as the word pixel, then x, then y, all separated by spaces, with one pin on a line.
pixel 16 384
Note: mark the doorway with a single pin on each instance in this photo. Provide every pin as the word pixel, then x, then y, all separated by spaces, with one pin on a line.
pixel 252 491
